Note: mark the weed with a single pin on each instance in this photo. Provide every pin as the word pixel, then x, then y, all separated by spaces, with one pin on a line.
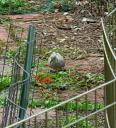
pixel 92 79
pixel 68 5
pixel 48 6
pixel 4 20
pixel 49 84
pixel 61 5
pixel 10 54
pixel 70 77
pixel 14 7
pixel 2 46
pixel 82 106
pixel 72 118
pixel 46 103
pixel 34 104
pixel 4 82
pixel 2 101
pixel 69 107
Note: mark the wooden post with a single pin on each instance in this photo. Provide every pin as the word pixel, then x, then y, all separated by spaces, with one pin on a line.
pixel 110 90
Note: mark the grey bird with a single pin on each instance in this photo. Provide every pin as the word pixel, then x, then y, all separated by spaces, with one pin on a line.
pixel 56 61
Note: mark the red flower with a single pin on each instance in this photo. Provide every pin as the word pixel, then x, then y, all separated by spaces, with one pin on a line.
pixel 46 80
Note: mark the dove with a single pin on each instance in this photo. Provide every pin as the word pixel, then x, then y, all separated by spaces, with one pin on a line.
pixel 56 61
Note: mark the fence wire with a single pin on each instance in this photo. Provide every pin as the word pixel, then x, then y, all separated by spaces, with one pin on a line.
pixel 67 114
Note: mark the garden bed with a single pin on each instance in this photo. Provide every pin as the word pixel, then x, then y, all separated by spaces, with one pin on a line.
pixel 79 42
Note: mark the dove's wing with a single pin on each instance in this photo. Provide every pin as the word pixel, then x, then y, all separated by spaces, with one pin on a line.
pixel 56 61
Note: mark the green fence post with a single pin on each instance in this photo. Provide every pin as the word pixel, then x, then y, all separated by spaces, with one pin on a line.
pixel 27 67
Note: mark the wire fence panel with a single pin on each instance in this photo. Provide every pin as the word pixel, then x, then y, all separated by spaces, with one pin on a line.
pixel 64 116
pixel 12 79
pixel 85 110
pixel 100 114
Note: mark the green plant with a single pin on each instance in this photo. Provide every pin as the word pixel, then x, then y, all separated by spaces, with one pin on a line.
pixel 58 79
pixel 50 84
pixel 48 6
pixel 10 54
pixel 68 5
pixel 4 20
pixel 16 34
pixel 71 106
pixel 69 77
pixel 14 6
pixel 2 46
pixel 4 82
pixel 46 103
pixel 84 124
pixel 70 119
pixel 82 106
pixel 49 103
pixel 34 103
pixel 2 101
pixel 94 78
pixel 61 5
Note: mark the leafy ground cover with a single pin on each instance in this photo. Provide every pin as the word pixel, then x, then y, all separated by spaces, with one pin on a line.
pixel 67 78
pixel 4 82
pixel 46 6
pixel 64 29
pixel 51 84
pixel 25 6
pixel 13 6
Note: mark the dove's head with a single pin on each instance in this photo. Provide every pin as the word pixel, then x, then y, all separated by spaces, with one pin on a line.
pixel 54 57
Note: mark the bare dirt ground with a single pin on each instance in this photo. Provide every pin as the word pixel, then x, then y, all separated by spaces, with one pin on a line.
pixel 69 31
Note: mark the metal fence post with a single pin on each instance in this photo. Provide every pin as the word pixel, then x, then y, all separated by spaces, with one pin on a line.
pixel 27 67
pixel 110 90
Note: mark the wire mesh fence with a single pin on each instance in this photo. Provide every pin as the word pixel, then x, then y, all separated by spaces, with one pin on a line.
pixel 69 113
pixel 11 76
pixel 79 111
